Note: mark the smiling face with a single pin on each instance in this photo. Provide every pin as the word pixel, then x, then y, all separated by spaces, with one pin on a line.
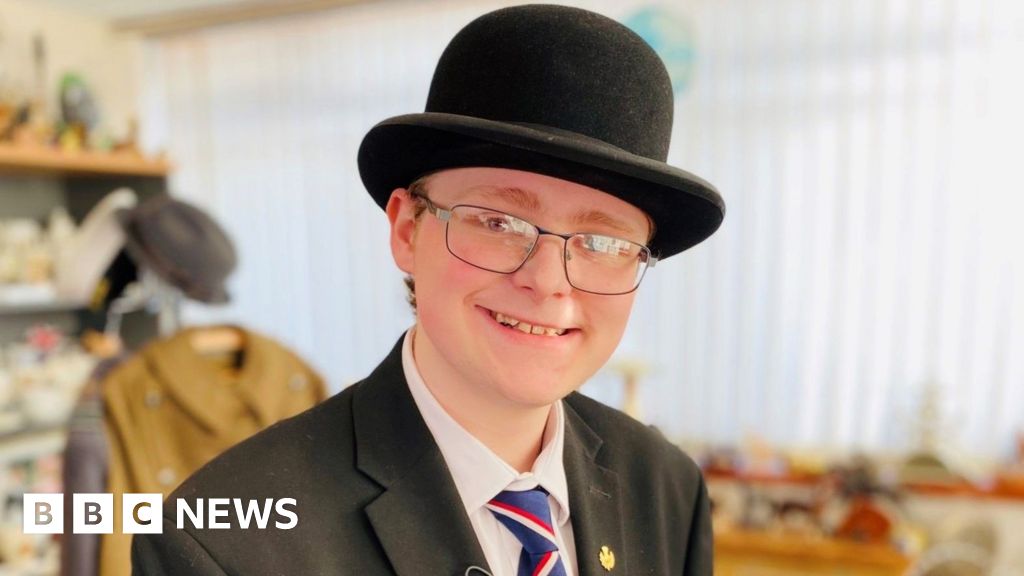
pixel 466 345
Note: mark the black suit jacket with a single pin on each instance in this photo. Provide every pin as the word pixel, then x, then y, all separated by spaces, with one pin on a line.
pixel 374 496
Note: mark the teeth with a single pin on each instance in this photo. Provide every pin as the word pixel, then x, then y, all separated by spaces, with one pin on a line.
pixel 505 319
pixel 525 327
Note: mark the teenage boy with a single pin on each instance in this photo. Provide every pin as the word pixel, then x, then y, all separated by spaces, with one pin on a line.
pixel 525 205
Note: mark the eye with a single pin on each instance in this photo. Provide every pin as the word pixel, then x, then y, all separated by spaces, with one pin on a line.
pixel 607 245
pixel 496 224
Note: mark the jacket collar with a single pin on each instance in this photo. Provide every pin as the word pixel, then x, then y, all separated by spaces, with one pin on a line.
pixel 394 447
pixel 196 384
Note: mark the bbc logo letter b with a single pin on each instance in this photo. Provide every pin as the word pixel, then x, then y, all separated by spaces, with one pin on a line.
pixel 93 514
pixel 43 514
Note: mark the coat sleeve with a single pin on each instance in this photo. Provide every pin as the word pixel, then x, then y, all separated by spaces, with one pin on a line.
pixel 700 548
pixel 172 553
pixel 85 472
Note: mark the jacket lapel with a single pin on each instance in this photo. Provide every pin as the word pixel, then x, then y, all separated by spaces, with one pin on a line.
pixel 419 517
pixel 594 500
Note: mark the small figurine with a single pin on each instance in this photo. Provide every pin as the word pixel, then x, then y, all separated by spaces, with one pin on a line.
pixel 79 111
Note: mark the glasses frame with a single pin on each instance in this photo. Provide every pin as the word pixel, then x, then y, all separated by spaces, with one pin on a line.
pixel 445 215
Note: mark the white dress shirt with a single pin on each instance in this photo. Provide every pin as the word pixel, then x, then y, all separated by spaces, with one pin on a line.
pixel 479 475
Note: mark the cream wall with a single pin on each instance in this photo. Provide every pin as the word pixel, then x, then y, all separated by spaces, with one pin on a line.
pixel 109 61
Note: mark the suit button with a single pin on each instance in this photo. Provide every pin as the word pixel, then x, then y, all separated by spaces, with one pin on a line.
pixel 154 399
pixel 166 476
pixel 298 382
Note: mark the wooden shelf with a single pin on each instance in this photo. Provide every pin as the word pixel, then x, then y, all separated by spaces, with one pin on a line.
pixel 764 478
pixel 44 160
pixel 1000 490
pixel 741 552
pixel 809 548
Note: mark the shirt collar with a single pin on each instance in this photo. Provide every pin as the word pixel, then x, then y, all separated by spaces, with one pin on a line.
pixel 478 472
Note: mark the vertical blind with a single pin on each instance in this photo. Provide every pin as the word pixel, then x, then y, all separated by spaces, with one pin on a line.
pixel 866 150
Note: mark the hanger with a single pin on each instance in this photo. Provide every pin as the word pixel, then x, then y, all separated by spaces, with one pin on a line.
pixel 222 346
pixel 217 340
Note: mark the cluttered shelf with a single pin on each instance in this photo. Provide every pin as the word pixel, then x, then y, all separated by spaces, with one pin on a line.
pixel 29 443
pixel 1003 487
pixel 806 512
pixel 40 159
pixel 39 307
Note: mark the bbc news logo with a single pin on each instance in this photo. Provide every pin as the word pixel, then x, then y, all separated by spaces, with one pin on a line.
pixel 143 513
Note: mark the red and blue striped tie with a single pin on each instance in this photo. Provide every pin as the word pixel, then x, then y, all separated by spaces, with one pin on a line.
pixel 527 515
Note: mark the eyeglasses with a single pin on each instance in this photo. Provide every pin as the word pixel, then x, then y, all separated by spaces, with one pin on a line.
pixel 502 243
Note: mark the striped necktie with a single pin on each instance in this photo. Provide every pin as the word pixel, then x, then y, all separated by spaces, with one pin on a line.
pixel 527 515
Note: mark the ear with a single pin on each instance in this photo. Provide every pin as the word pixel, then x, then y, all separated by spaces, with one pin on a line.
pixel 401 210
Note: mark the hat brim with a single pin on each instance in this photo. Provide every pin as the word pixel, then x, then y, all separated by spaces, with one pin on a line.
pixel 685 209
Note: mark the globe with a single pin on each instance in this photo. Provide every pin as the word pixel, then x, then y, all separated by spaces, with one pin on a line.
pixel 671 36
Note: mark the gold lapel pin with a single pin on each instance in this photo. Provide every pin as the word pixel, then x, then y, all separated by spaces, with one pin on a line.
pixel 607 558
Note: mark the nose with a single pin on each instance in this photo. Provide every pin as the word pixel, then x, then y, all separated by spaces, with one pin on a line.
pixel 543 273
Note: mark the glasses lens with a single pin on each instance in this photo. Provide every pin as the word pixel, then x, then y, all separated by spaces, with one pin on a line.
pixel 605 264
pixel 491 240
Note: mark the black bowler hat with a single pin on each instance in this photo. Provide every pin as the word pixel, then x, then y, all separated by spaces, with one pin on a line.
pixel 558 91
pixel 184 245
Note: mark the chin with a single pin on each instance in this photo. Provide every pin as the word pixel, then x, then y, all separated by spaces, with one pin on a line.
pixel 535 388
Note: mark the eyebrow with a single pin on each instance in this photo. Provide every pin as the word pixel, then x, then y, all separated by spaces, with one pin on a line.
pixel 526 200
pixel 598 217
pixel 520 198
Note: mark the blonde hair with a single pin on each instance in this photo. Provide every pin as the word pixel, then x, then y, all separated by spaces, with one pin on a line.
pixel 418 189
